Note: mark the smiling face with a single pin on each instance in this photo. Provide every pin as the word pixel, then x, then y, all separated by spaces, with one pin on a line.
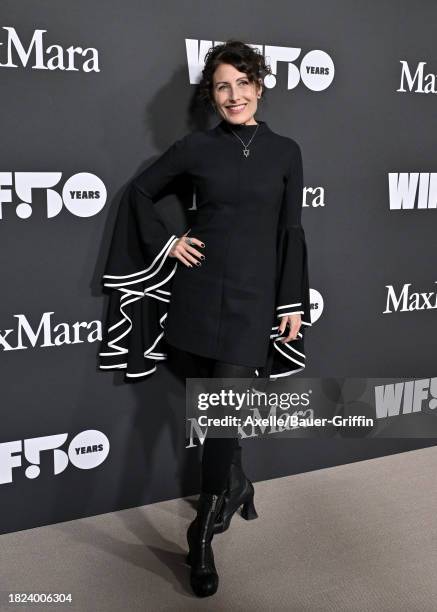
pixel 235 97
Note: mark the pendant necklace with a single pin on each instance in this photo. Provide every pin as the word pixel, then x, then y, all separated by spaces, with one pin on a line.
pixel 246 149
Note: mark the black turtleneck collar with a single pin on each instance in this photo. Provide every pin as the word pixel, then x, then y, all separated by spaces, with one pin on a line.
pixel 241 128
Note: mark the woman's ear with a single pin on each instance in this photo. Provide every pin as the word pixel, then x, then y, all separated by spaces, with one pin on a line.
pixel 260 88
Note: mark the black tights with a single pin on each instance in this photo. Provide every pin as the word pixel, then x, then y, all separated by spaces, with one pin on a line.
pixel 217 452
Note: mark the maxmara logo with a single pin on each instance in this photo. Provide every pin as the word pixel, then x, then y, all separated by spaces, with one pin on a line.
pixel 86 451
pixel 38 54
pixel 83 194
pixel 316 195
pixel 412 190
pixel 406 300
pixel 419 82
pixel 315 69
pixel 48 334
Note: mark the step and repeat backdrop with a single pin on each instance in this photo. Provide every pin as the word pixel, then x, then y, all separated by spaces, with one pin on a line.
pixel 91 94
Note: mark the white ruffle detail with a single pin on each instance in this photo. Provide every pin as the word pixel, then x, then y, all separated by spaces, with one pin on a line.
pixel 287 350
pixel 282 314
pixel 288 305
pixel 144 275
pixel 131 295
pixel 288 309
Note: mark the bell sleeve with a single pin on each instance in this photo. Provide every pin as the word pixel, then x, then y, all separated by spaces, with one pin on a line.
pixel 292 284
pixel 139 270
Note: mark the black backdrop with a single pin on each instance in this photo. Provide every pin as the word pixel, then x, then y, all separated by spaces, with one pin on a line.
pixel 353 86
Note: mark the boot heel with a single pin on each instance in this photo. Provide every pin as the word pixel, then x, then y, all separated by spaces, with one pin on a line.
pixel 248 511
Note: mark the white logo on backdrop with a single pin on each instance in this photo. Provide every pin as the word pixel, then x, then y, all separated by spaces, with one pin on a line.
pixel 86 451
pixel 316 196
pixel 419 82
pixel 409 190
pixel 315 69
pixel 83 194
pixel 14 53
pixel 405 397
pixel 317 303
pixel 408 300
pixel 47 334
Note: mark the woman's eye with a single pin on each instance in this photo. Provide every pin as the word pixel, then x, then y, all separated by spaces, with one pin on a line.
pixel 241 83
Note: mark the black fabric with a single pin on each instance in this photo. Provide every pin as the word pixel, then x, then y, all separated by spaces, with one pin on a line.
pixel 216 463
pixel 218 452
pixel 256 264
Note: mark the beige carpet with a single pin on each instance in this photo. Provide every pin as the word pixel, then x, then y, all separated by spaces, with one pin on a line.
pixel 358 537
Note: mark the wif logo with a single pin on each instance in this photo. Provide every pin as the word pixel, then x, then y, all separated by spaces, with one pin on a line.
pixel 83 194
pixel 315 70
pixel 406 397
pixel 410 190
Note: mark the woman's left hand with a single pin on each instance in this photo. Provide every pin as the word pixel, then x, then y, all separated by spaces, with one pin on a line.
pixel 294 321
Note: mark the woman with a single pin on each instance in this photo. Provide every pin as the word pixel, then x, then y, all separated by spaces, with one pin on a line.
pixel 239 292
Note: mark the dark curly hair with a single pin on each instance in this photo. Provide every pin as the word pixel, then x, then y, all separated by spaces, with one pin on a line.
pixel 243 57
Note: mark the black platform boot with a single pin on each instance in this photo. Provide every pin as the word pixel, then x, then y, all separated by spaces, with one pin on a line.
pixel 204 578
pixel 240 491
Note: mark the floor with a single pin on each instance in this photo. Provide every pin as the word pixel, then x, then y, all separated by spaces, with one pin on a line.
pixel 360 537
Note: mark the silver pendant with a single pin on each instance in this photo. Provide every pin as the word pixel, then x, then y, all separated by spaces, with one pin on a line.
pixel 246 152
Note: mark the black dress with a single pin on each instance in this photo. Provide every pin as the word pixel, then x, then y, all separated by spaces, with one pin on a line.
pixel 248 215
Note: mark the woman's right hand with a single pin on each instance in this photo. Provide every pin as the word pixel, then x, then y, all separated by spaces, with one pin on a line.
pixel 186 253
